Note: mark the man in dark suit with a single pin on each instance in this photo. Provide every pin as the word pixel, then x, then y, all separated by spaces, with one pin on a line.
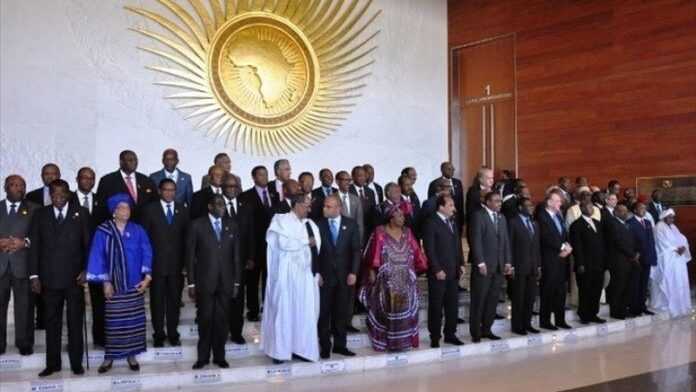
pixel 447 171
pixel 483 183
pixel 490 260
pixel 15 221
pixel 184 184
pixel 57 261
pixel 319 194
pixel 374 186
pixel 610 202
pixel 443 247
pixel 127 180
pixel 282 171
pixel 214 275
pixel 656 206
pixel 525 246
pixel 222 160
pixel 199 202
pixel 589 255
pixel 555 250
pixel 166 222
pixel 290 188
pixel 624 262
pixel 644 238
pixel 367 198
pixel 240 212
pixel 98 213
pixel 339 261
pixel 260 201
pixel 511 201
pixel 41 196
pixel 409 195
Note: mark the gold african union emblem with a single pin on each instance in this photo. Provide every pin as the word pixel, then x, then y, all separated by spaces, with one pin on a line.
pixel 267 76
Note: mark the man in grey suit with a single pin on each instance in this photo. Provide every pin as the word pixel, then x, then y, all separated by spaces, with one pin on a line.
pixel 490 259
pixel 15 220
pixel 184 184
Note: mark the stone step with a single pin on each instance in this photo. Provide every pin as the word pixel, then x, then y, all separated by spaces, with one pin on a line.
pixel 159 375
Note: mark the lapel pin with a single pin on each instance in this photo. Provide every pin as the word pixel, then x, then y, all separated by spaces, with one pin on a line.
pixel 128 234
pixel 176 211
pixel 345 228
pixel 147 190
pixel 24 212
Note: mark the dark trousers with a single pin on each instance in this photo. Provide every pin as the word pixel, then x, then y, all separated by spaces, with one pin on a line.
pixel 236 318
pixel 640 290
pixel 590 285
pixel 37 307
pixel 484 300
pixel 523 291
pixel 53 316
pixel 213 324
pixel 165 301
pixel 96 297
pixel 24 319
pixel 254 278
pixel 442 294
pixel 552 297
pixel 335 302
pixel 621 282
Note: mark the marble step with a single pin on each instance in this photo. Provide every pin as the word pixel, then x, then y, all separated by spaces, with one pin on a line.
pixel 178 375
pixel 187 352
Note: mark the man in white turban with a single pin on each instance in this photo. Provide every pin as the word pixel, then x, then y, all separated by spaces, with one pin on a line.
pixel 670 279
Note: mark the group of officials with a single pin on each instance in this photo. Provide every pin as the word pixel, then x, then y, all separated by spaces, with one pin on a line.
pixel 219 239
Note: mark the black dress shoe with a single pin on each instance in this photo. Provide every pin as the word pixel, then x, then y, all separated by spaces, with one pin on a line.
pixel 599 320
pixel 453 340
pixel 222 364
pixel 299 358
pixel 499 317
pixel 325 354
pixel 105 367
pixel 238 340
pixel 175 342
pixel 277 361
pixel 78 371
pixel 532 330
pixel 434 344
pixel 519 332
pixel 158 343
pixel 460 320
pixel 550 327
pixel 134 365
pixel 491 336
pixel 564 326
pixel 649 313
pixel 343 351
pixel 26 351
pixel 352 329
pixel 584 322
pixel 476 340
pixel 47 372
pixel 253 317
pixel 199 365
pixel 2 351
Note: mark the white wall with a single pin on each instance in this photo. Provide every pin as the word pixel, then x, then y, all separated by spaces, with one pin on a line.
pixel 74 91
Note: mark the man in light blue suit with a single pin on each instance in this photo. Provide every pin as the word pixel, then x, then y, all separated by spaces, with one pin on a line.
pixel 184 185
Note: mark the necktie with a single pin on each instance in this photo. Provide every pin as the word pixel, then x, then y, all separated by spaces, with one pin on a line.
pixel 529 226
pixel 361 193
pixel 60 216
pixel 131 188
pixel 559 223
pixel 218 229
pixel 346 204
pixel 451 227
pixel 232 211
pixel 495 220
pixel 85 202
pixel 334 231
pixel 170 215
pixel 13 209
pixel 265 199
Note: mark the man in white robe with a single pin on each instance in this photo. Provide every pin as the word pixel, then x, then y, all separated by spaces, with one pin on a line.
pixel 291 308
pixel 670 279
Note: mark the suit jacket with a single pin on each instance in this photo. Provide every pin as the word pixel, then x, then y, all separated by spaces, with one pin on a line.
pixel 551 244
pixel 443 247
pixel 645 241
pixel 318 202
pixel 653 210
pixel 199 202
pixel 509 208
pixel 282 207
pixel 213 264
pixel 343 258
pixel 261 216
pixel 415 204
pixel 205 181
pixel 379 191
pixel 489 245
pixel 167 240
pixel 622 246
pixel 272 189
pixel 184 185
pixel 244 219
pixel 473 202
pixel 356 213
pixel 457 195
pixel 525 246
pixel 113 183
pixel 99 211
pixel 59 251
pixel 18 226
pixel 589 246
pixel 36 196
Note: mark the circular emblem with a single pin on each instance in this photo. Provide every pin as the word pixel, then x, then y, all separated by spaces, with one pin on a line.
pixel 263 69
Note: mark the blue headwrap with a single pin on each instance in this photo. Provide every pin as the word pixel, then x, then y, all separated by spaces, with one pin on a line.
pixel 113 202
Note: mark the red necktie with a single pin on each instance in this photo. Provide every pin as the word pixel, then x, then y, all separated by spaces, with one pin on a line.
pixel 131 188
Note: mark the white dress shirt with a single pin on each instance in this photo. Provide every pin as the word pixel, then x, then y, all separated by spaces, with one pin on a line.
pixel 56 211
pixel 174 176
pixel 165 204
pixel 345 199
pixel 47 196
pixel 230 203
pixel 590 222
pixel 81 200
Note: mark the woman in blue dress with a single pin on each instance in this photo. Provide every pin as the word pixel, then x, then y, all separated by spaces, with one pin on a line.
pixel 121 259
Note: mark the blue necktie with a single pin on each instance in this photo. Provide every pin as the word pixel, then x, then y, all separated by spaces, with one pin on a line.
pixel 218 229
pixel 170 215
pixel 334 231
pixel 559 224
pixel 529 225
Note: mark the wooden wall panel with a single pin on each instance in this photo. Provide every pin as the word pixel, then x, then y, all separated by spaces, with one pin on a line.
pixel 606 88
